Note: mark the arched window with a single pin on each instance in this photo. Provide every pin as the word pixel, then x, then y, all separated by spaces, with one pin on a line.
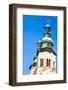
pixel 48 62
pixel 41 62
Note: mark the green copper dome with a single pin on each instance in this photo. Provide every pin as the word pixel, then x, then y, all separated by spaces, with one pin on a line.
pixel 46 41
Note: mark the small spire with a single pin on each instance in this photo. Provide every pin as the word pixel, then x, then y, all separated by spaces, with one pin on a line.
pixel 47 25
pixel 47 29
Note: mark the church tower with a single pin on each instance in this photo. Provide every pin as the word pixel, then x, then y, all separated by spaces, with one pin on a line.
pixel 45 57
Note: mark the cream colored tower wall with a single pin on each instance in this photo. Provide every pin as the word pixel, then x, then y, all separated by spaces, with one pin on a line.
pixel 44 69
pixel 45 56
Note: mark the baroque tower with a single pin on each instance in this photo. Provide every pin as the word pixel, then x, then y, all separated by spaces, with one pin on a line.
pixel 45 57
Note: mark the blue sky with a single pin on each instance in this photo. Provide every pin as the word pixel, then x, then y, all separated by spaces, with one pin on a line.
pixel 33 29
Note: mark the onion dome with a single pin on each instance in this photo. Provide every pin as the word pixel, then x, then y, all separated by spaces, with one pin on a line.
pixel 46 41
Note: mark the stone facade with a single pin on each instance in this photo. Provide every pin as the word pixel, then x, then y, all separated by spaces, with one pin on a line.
pixel 46 63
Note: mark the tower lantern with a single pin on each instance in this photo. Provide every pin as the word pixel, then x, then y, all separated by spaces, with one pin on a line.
pixel 46 42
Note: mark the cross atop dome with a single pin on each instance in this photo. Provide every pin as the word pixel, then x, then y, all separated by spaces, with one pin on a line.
pixel 47 25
